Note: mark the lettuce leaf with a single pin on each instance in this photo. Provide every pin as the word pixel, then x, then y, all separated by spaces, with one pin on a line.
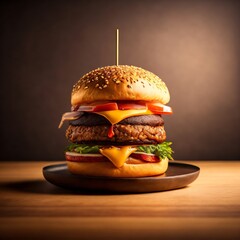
pixel 162 150
pixel 82 148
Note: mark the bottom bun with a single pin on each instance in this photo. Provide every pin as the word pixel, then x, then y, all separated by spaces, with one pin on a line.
pixel 107 169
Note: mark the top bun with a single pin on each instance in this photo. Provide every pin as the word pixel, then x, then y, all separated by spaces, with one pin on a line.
pixel 120 82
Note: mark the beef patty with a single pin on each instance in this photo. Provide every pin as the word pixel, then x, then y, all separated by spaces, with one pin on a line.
pixel 123 134
pixel 92 119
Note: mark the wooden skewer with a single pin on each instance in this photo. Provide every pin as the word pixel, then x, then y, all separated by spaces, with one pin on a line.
pixel 117 47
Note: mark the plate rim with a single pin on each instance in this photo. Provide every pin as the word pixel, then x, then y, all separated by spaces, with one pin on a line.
pixel 120 185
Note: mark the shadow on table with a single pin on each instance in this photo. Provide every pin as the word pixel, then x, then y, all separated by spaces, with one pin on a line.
pixel 43 187
pixel 35 186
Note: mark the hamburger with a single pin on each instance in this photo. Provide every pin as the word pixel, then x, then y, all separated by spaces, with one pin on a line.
pixel 116 127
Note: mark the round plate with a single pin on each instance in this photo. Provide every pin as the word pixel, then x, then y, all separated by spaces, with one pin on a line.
pixel 178 175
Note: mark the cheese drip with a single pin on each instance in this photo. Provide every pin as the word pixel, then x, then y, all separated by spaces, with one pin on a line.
pixel 115 116
pixel 117 155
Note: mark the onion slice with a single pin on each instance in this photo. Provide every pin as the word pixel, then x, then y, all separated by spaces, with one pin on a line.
pixel 69 116
pixel 78 157
pixel 147 157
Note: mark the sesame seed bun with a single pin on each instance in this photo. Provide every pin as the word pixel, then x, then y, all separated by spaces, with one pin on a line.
pixel 119 83
pixel 106 169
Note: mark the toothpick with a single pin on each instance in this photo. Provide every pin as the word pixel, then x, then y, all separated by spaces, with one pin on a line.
pixel 117 47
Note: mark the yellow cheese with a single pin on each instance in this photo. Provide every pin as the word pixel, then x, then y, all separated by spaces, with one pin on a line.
pixel 115 116
pixel 117 155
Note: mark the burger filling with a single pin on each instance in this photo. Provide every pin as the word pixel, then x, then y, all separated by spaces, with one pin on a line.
pixel 119 155
pixel 127 133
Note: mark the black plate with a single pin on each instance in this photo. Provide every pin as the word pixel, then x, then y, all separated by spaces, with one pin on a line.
pixel 178 175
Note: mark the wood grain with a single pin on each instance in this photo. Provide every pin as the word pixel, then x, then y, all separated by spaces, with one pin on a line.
pixel 32 208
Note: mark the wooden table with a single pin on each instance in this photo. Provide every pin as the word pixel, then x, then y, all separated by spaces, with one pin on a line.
pixel 31 208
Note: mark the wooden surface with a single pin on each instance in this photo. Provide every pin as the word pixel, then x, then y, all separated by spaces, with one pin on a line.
pixel 31 208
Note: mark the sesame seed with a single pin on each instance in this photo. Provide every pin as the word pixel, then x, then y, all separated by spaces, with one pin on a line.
pixel 119 74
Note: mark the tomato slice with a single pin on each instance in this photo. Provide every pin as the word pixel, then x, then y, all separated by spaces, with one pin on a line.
pixel 131 105
pixel 158 108
pixel 108 106
pixel 77 157
pixel 146 157
pixel 155 107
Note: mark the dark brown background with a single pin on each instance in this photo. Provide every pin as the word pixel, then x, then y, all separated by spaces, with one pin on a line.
pixel 46 46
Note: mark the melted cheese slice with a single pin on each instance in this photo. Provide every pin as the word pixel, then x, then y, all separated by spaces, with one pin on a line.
pixel 115 116
pixel 117 155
